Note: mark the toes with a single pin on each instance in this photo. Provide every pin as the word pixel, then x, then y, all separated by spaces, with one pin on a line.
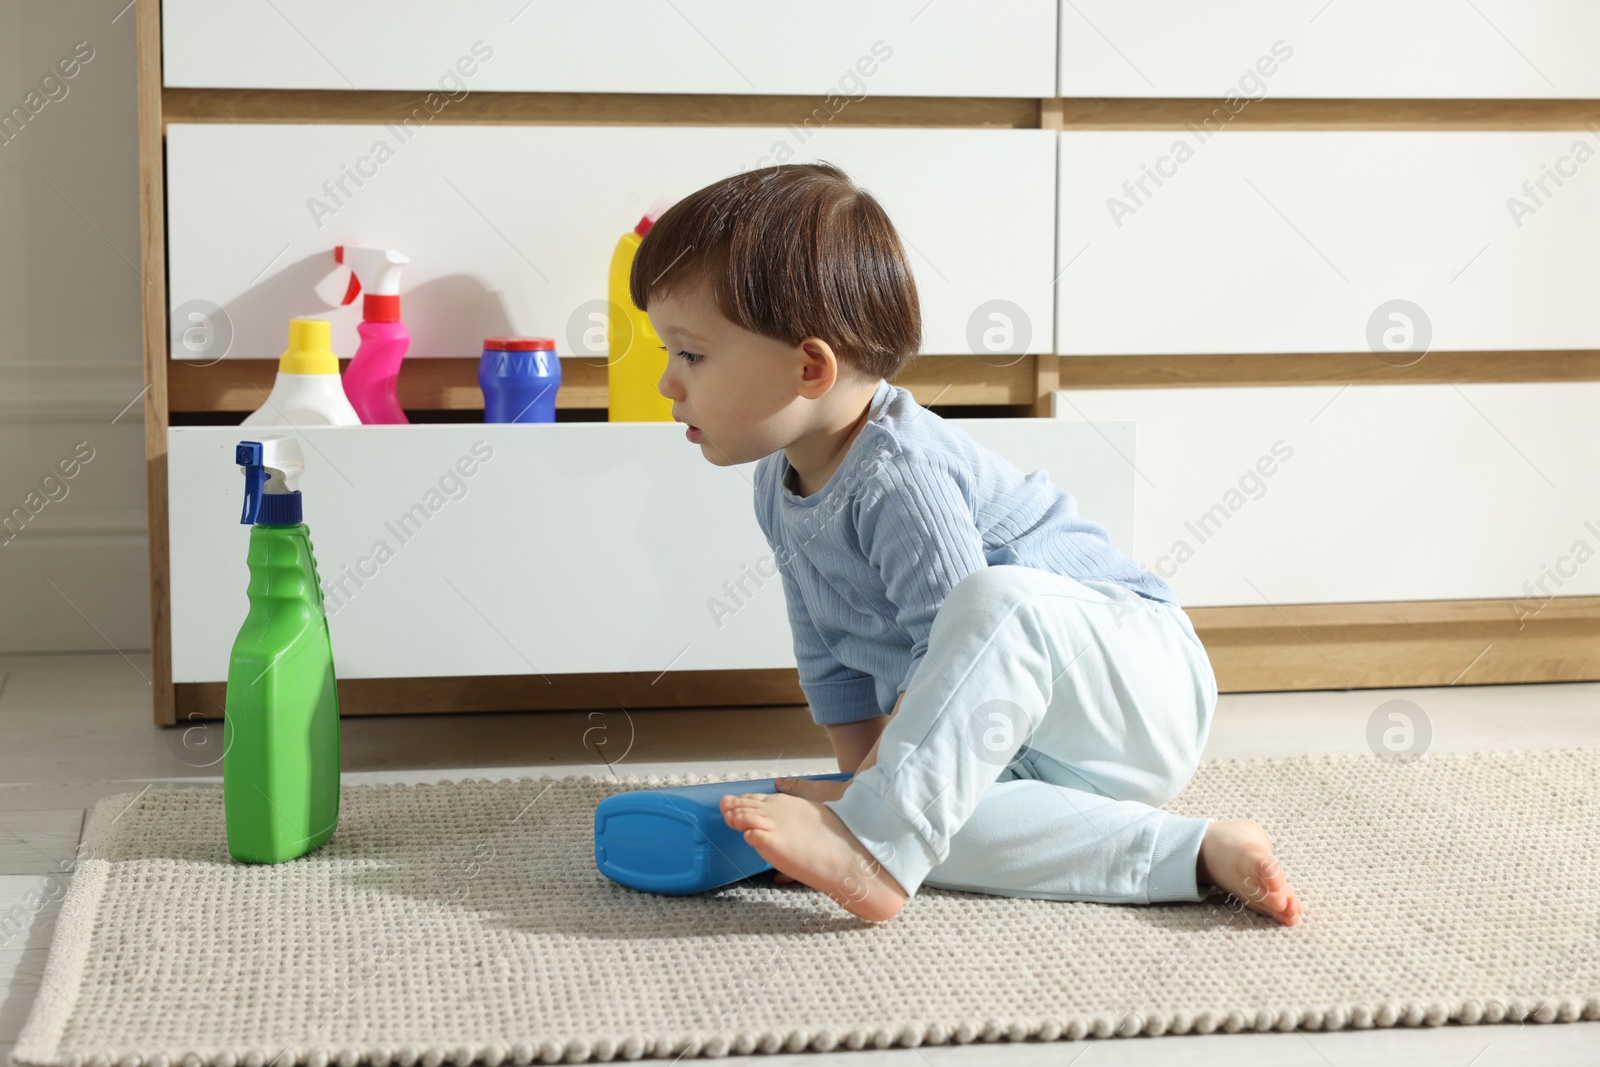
pixel 1271 873
pixel 1284 904
pixel 1275 885
pixel 759 838
pixel 746 818
pixel 741 802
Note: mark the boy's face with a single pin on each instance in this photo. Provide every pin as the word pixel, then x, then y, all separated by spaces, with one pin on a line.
pixel 739 389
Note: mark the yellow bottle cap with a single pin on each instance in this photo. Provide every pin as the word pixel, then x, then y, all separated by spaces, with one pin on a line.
pixel 310 348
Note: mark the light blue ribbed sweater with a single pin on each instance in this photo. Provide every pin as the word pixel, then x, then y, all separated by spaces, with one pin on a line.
pixel 915 506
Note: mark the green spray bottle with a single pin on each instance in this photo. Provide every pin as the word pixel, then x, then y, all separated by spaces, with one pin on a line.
pixel 280 735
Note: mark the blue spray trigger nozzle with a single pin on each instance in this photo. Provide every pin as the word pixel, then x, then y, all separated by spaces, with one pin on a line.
pixel 247 454
pixel 272 468
pixel 254 479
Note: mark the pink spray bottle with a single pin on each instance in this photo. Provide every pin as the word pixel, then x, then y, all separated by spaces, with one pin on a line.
pixel 371 378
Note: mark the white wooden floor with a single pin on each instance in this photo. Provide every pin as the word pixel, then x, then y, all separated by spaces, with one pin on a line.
pixel 75 728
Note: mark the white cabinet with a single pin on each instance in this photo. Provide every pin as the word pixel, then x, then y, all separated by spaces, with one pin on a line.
pixel 1343 494
pixel 1292 241
pixel 510 229
pixel 1254 49
pixel 848 48
pixel 557 548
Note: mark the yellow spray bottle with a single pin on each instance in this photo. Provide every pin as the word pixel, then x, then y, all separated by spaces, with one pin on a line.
pixel 636 362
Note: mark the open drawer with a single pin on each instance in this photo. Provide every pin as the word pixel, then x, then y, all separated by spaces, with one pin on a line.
pixel 456 549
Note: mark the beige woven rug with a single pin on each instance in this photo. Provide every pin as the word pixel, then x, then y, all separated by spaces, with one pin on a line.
pixel 466 921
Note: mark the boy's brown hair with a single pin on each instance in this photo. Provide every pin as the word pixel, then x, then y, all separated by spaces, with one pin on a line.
pixel 791 251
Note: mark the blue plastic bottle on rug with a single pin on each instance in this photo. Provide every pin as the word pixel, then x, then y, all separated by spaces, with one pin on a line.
pixel 674 840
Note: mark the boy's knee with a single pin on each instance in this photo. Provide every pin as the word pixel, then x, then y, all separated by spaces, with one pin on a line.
pixel 992 597
pixel 998 587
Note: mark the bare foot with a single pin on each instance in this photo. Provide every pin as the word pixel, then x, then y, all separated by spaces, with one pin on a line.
pixel 811 789
pixel 805 840
pixel 1236 855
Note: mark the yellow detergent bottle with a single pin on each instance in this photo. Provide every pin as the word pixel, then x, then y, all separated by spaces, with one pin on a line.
pixel 636 363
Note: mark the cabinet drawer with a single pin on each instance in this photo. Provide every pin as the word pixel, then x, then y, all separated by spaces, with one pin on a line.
pixel 888 47
pixel 570 547
pixel 510 230
pixel 1268 241
pixel 1352 48
pixel 1346 494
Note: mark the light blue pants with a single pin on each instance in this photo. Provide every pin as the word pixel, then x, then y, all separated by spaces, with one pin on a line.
pixel 1035 742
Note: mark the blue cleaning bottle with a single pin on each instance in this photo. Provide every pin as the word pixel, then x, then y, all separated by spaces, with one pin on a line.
pixel 675 841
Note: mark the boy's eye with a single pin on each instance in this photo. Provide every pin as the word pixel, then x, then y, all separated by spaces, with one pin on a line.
pixel 688 357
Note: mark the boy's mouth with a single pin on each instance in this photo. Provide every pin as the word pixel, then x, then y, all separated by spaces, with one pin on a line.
pixel 693 431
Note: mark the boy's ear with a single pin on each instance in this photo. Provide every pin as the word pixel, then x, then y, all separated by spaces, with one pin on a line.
pixel 819 367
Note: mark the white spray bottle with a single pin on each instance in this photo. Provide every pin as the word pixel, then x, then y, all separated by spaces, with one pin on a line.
pixel 308 391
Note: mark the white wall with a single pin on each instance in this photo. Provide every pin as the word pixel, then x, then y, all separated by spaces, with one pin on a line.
pixel 73 576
